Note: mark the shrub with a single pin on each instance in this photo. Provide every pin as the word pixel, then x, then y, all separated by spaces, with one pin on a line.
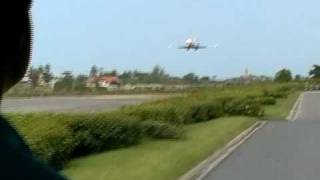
pixel 215 109
pixel 275 94
pixel 280 94
pixel 244 106
pixel 264 100
pixel 55 147
pixel 161 130
pixel 285 88
pixel 155 112
pixel 267 100
pixel 267 93
pixel 224 100
pixel 253 97
pixel 55 138
pixel 46 136
pixel 204 111
pixel 179 111
pixel 95 133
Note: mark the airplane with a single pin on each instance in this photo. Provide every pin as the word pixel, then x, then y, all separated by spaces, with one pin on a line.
pixel 192 44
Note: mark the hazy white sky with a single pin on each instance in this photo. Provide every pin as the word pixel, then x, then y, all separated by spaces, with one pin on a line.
pixel 263 35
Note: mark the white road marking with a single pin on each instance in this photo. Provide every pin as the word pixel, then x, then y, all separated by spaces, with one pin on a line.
pixel 296 110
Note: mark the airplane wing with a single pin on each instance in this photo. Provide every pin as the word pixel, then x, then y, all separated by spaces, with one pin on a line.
pixel 182 47
pixel 201 47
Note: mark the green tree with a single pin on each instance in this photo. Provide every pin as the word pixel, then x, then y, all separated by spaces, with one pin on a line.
pixel 191 78
pixel 315 72
pixel 93 71
pixel 41 69
pixel 34 75
pixel 158 75
pixel 298 77
pixel 284 75
pixel 205 79
pixel 127 77
pixel 80 83
pixel 114 72
pixel 47 75
pixel 66 83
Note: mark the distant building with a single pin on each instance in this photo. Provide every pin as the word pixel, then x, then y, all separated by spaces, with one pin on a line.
pixel 26 80
pixel 108 81
pixel 247 77
pixel 41 81
pixel 103 81
pixel 92 82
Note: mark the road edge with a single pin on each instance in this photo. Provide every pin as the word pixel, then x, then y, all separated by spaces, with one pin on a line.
pixel 202 170
pixel 294 111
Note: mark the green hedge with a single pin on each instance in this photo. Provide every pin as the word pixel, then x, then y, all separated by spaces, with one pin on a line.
pixel 264 100
pixel 155 112
pixel 280 92
pixel 161 130
pixel 193 111
pixel 46 135
pixel 244 106
pixel 56 138
pixel 179 112
pixel 204 111
pixel 95 133
pixel 267 100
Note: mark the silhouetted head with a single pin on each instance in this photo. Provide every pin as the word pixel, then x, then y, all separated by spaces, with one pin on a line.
pixel 16 42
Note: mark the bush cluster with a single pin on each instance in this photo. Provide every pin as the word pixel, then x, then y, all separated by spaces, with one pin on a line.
pixel 95 133
pixel 195 110
pixel 155 112
pixel 244 106
pixel 203 111
pixel 56 138
pixel 177 112
pixel 46 135
pixel 264 100
pixel 281 92
pixel 161 130
pixel 267 100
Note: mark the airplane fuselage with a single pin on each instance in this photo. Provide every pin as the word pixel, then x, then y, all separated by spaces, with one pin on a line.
pixel 192 44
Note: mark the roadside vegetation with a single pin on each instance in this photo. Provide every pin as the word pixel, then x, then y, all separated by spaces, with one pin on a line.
pixel 160 159
pixel 283 107
pixel 173 134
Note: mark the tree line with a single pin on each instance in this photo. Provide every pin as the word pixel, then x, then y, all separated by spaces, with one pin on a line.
pixel 68 81
pixel 285 75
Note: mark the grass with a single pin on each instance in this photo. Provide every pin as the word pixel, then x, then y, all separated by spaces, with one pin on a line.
pixel 281 110
pixel 161 159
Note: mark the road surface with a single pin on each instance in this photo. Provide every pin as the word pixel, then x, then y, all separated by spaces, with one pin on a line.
pixel 74 104
pixel 279 151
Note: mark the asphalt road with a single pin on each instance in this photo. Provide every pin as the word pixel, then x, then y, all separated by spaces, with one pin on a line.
pixel 279 151
pixel 73 104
